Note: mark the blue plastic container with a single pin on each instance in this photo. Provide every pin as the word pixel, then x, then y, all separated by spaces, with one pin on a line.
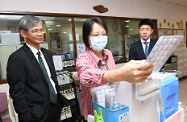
pixel 169 93
pixel 119 115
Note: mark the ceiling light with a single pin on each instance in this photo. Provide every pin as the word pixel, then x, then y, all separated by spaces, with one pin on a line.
pixel 78 19
pixel 12 17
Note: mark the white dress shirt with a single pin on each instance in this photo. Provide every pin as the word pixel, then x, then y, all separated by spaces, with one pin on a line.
pixel 143 45
pixel 45 63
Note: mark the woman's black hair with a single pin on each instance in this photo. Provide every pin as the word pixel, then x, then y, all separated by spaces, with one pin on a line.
pixel 87 28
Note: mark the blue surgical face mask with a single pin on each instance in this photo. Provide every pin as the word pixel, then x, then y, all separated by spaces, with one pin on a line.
pixel 98 43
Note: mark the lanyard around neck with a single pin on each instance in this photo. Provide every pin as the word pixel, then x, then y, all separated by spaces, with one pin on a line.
pixel 100 67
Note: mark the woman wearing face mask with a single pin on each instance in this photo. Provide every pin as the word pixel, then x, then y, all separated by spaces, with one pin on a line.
pixel 96 66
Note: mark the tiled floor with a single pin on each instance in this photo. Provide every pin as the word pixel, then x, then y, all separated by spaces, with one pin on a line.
pixel 183 93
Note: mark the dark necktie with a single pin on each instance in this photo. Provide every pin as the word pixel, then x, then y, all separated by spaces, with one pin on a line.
pixel 53 96
pixel 146 49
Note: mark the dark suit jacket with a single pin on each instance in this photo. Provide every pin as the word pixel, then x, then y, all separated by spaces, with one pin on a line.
pixel 1 119
pixel 136 51
pixel 28 87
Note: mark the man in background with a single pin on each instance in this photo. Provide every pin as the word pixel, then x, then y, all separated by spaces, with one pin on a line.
pixel 140 49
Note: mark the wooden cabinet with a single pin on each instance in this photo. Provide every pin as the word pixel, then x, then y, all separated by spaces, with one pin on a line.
pixel 55 40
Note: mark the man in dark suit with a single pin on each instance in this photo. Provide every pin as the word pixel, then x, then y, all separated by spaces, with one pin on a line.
pixel 29 84
pixel 138 49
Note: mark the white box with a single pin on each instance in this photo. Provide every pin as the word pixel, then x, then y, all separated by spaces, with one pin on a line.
pixel 9 38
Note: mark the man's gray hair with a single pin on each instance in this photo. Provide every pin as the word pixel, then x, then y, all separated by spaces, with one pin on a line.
pixel 28 21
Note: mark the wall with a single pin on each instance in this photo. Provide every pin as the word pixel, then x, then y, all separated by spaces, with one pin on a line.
pixel 121 8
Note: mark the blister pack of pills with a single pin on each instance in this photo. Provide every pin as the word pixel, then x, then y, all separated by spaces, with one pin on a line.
pixel 98 93
pixel 162 50
pixel 104 96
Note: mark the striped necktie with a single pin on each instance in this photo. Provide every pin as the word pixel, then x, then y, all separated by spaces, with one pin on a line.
pixel 53 95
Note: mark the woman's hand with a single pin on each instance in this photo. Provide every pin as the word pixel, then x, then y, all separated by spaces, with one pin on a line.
pixel 136 71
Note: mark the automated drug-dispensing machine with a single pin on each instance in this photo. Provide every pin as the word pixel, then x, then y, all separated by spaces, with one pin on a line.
pixel 156 99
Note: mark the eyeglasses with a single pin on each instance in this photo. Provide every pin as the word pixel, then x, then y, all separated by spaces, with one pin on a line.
pixel 35 31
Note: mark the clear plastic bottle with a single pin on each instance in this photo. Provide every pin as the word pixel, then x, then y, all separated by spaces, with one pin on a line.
pixel 179 105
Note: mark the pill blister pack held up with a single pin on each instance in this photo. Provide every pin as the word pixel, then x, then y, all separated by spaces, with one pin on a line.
pixel 162 50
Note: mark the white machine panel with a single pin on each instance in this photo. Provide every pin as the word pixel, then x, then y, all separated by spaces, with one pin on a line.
pixel 147 89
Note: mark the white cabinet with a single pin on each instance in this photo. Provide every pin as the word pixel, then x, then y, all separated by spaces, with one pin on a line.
pixel 5 51
pixel 180 51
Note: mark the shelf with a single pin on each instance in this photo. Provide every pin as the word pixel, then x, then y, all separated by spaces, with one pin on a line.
pixel 69 91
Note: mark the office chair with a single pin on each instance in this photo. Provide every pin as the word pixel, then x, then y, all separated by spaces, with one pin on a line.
pixel 4 107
